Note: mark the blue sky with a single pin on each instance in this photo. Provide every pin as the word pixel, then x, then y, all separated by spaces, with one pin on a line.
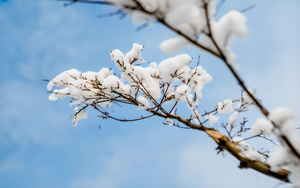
pixel 39 147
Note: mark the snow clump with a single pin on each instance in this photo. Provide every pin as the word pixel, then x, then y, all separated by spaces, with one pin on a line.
pixel 143 85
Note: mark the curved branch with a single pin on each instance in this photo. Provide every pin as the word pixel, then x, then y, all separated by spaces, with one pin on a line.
pixel 223 142
pixel 221 55
pixel 127 120
pixel 243 85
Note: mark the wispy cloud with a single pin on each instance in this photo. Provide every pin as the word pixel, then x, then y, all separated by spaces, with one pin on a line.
pixel 12 166
pixel 40 39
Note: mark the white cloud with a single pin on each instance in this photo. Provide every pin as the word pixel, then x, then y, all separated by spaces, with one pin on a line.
pixel 11 166
pixel 24 115
pixel 112 176
pixel 116 170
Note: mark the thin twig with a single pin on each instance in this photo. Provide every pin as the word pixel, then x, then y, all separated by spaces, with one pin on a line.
pixel 88 2
pixel 248 8
pixel 127 120
pixel 173 107
pixel 110 14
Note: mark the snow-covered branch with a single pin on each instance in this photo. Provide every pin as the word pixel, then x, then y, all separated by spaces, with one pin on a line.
pixel 158 88
pixel 155 88
pixel 145 86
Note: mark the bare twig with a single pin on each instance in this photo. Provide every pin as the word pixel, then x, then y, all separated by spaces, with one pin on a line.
pixel 110 14
pixel 248 8
pixel 207 113
pixel 173 107
pixel 86 1
pixel 219 6
pixel 126 120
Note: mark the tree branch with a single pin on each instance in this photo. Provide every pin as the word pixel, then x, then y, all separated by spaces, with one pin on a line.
pixel 222 141
pixel 243 85
pixel 225 144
